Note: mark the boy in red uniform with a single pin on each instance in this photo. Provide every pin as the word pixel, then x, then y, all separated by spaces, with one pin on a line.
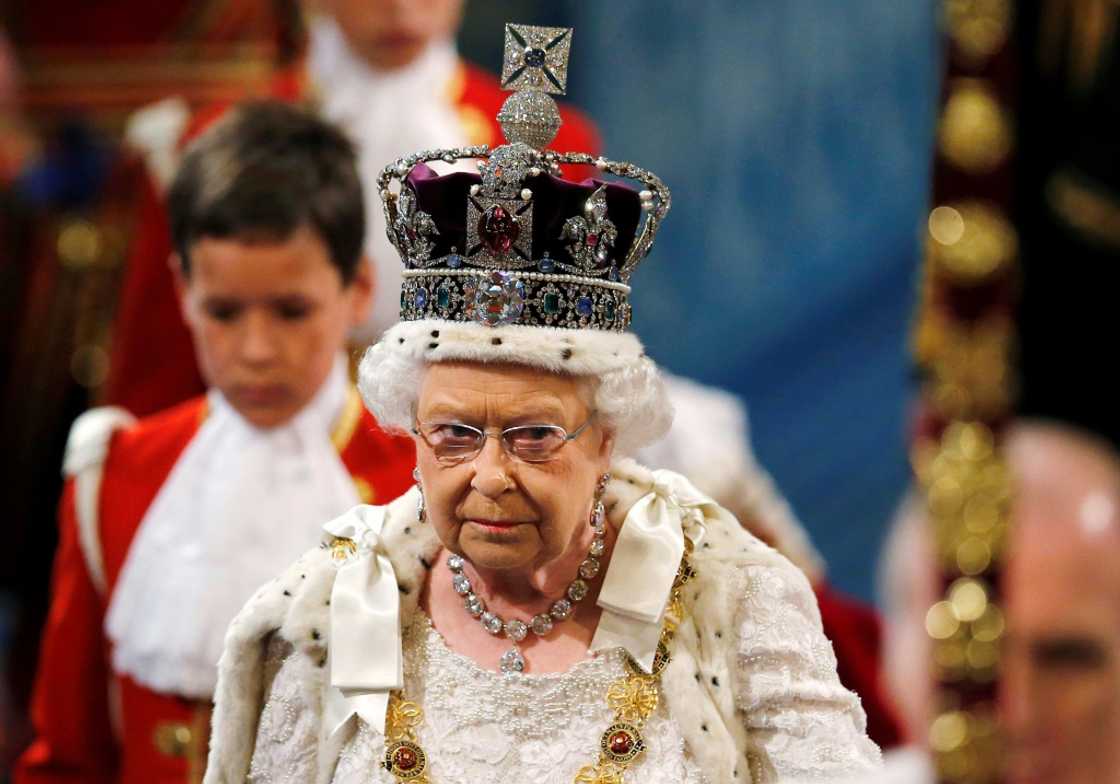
pixel 169 523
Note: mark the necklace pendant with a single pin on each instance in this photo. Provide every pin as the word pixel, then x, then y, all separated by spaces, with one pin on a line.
pixel 512 661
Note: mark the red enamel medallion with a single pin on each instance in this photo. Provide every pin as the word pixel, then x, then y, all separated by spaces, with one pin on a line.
pixel 621 742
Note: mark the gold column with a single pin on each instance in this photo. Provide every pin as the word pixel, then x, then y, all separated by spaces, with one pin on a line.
pixel 964 344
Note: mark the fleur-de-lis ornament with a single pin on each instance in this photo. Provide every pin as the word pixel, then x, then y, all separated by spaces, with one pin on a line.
pixel 591 235
pixel 413 231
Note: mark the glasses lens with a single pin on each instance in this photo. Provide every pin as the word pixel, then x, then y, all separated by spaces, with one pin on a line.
pixel 452 441
pixel 534 443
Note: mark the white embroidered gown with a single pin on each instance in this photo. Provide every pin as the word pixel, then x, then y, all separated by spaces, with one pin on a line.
pixel 483 726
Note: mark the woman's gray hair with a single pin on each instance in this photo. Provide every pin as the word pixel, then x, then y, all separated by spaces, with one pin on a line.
pixel 631 399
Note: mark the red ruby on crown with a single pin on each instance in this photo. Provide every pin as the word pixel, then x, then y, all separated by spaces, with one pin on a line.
pixel 498 230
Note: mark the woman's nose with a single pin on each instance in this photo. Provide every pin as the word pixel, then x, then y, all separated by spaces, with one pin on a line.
pixel 491 469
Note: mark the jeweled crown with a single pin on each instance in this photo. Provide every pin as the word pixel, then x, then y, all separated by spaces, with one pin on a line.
pixel 517 243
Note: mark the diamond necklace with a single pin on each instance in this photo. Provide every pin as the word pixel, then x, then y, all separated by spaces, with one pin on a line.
pixel 633 698
pixel 542 623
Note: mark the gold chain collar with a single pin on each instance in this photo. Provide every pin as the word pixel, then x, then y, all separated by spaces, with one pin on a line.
pixel 633 698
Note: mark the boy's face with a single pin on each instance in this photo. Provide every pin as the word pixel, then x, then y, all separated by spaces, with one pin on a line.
pixel 390 34
pixel 268 319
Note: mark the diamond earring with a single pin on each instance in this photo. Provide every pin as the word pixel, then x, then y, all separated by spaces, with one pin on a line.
pixel 601 487
pixel 421 507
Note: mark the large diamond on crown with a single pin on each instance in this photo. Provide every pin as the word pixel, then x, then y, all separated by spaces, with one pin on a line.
pixel 499 299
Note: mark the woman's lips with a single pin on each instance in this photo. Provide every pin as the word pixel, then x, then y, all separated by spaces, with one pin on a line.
pixel 496 525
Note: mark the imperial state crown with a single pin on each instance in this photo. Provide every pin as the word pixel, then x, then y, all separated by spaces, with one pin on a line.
pixel 517 243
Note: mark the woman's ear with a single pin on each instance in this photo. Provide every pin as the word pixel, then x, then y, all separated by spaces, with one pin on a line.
pixel 606 447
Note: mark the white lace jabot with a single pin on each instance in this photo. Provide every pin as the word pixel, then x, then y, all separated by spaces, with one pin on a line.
pixel 239 504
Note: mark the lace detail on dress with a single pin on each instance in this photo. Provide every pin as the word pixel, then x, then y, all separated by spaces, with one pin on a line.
pixel 483 726
pixel 807 725
pixel 285 750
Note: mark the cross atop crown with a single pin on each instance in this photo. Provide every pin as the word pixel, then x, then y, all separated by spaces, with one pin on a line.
pixel 536 64
pixel 536 58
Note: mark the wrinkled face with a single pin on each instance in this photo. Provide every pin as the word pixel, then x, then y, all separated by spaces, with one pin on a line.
pixel 1060 687
pixel 391 34
pixel 495 510
pixel 268 319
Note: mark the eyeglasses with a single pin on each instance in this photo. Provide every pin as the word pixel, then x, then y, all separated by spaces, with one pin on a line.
pixel 454 442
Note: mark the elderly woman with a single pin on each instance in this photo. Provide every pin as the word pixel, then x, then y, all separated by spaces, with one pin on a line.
pixel 536 608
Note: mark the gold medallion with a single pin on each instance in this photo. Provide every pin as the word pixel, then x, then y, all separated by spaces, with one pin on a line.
pixel 405 760
pixel 621 742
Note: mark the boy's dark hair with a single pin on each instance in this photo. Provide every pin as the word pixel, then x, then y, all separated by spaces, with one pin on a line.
pixel 261 173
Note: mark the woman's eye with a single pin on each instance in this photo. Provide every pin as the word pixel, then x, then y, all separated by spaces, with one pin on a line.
pixel 456 434
pixel 533 436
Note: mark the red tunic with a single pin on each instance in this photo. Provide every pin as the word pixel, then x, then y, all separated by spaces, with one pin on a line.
pixel 152 362
pixel 95 726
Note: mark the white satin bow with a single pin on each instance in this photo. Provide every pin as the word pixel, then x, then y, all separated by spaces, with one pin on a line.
pixel 365 652
pixel 644 563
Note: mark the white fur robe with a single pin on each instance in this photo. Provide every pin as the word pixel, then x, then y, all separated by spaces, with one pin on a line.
pixel 758 701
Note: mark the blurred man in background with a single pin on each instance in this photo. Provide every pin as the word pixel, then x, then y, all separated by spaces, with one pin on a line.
pixel 1060 678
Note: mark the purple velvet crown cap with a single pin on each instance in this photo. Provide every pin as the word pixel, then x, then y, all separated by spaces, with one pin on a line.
pixel 444 198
